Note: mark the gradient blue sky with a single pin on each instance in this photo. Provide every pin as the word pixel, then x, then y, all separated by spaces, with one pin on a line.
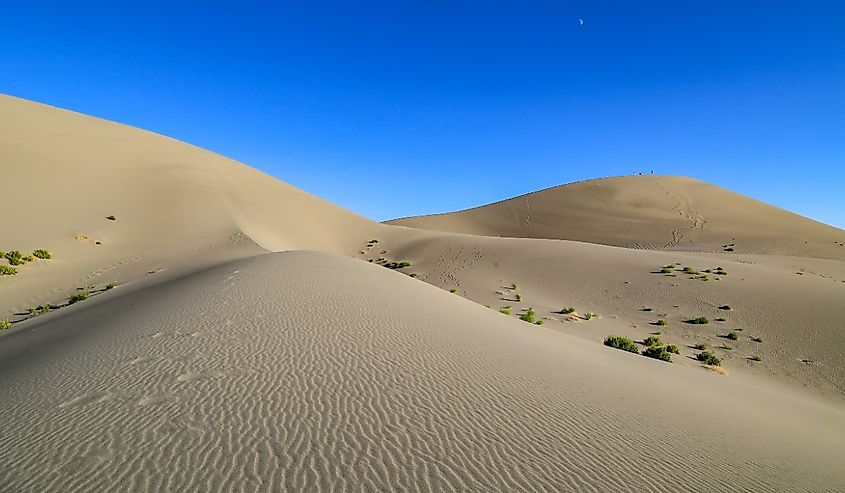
pixel 393 109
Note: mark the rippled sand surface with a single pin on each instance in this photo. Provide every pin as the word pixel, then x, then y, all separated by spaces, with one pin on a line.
pixel 304 371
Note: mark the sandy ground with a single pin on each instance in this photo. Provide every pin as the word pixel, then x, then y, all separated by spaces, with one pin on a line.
pixel 651 212
pixel 214 365
pixel 307 371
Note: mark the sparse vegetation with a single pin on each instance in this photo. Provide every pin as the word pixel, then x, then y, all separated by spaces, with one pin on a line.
pixel 661 322
pixel 666 270
pixel 691 271
pixel 727 347
pixel 80 296
pixel 110 285
pixel 42 254
pixel 506 310
pixel 5 325
pixel 757 339
pixel 5 270
pixel 539 322
pixel 453 290
pixel 756 358
pixel 732 335
pixel 700 346
pixel 658 352
pixel 673 349
pixel 725 307
pixel 518 298
pixel 590 315
pixel 621 342
pixel 652 341
pixel 709 358
pixel 513 286
pixel 111 217
pixel 567 310
pixel 14 257
pixel 529 316
pixel 699 321
pixel 403 264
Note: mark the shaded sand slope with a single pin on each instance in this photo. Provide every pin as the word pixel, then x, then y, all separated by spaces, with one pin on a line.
pixel 798 317
pixel 304 371
pixel 653 212
pixel 64 172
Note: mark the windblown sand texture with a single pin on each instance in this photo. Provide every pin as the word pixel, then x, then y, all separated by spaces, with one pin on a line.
pixel 218 365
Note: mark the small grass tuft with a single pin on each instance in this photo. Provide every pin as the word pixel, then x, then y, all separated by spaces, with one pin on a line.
pixel 700 346
pixel 14 257
pixel 709 358
pixel 590 315
pixel 756 358
pixel 506 310
pixel 5 270
pixel 666 270
pixel 529 316
pixel 403 264
pixel 757 339
pixel 732 335
pixel 110 285
pixel 621 342
pixel 80 296
pixel 727 347
pixel 658 352
pixel 652 341
pixel 539 322
pixel 111 217
pixel 661 322
pixel 5 325
pixel 453 290
pixel 673 349
pixel 699 321
pixel 518 298
pixel 567 310
pixel 42 254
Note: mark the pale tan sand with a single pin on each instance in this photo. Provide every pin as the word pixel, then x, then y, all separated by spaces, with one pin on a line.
pixel 215 367
pixel 312 372
pixel 653 212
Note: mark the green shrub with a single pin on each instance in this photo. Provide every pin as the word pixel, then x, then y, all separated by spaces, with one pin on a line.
pixel 539 322
pixel 567 310
pixel 727 347
pixel 709 358
pixel 403 264
pixel 528 316
pixel 5 325
pixel 757 339
pixel 80 296
pixel 110 285
pixel 45 308
pixel 14 257
pixel 673 349
pixel 111 217
pixel 757 358
pixel 666 270
pixel 42 254
pixel 658 352
pixel 590 315
pixel 699 321
pixel 652 341
pixel 691 271
pixel 621 342
pixel 732 335
pixel 5 270
pixel 518 298
pixel 700 346
pixel 505 310
pixel 661 322
pixel 28 258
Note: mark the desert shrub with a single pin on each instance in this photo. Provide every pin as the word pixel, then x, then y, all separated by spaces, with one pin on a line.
pixel 700 346
pixel 646 309
pixel 539 322
pixel 673 349
pixel 453 290
pixel 720 319
pixel 757 358
pixel 5 324
pixel 32 310
pixel 709 358
pixel 567 310
pixel 621 342
pixel 661 322
pixel 14 257
pixel 80 296
pixel 666 270
pixel 28 258
pixel 372 241
pixel 757 339
pixel 658 352
pixel 45 308
pixel 732 335
pixel 729 249
pixel 513 286
pixel 590 315
pixel 42 254
pixel 725 307
pixel 699 321
pixel 505 310
pixel 690 270
pixel 111 217
pixel 727 347
pixel 518 297
pixel 652 341
pixel 529 316
pixel 413 274
pixel 5 270
pixel 110 285
pixel 403 264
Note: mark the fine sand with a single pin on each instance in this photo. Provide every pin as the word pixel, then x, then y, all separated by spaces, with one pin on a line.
pixel 215 365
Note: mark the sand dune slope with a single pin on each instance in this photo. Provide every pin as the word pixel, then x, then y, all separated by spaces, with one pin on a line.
pixel 303 371
pixel 174 204
pixel 653 212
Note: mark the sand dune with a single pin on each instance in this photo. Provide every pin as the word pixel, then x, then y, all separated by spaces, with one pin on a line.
pixel 653 212
pixel 215 365
pixel 305 371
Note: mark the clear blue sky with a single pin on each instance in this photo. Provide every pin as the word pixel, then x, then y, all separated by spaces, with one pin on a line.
pixel 392 109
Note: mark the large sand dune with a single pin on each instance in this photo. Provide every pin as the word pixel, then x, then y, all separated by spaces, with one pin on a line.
pixel 214 365
pixel 312 372
pixel 653 212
